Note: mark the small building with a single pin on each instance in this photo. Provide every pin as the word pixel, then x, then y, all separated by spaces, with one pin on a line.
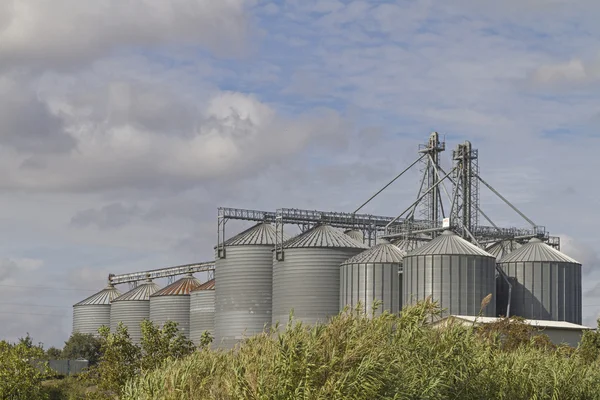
pixel 559 332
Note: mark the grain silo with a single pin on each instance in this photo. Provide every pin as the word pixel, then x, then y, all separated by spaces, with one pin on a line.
pixel 373 275
pixel 502 248
pixel 94 312
pixel 356 235
pixel 456 273
pixel 132 308
pixel 546 284
pixel 202 310
pixel 243 292
pixel 307 280
pixel 172 303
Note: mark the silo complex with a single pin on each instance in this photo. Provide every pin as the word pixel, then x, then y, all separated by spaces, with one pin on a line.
pixel 172 303
pixel 356 235
pixel 373 275
pixel 132 308
pixel 456 273
pixel 202 310
pixel 502 248
pixel 307 280
pixel 94 312
pixel 243 293
pixel 546 284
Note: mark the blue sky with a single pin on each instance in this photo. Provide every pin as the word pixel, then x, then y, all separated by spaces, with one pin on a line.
pixel 123 127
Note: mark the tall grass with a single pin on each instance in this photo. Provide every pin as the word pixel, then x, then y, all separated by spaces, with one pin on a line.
pixel 374 357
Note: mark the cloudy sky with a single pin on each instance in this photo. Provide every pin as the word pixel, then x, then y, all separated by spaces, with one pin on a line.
pixel 124 125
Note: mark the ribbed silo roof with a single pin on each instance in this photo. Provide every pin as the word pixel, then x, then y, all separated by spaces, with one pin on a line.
pixel 382 241
pixel 502 248
pixel 323 236
pixel 140 293
pixel 208 285
pixel 103 297
pixel 383 253
pixel 537 251
pixel 259 234
pixel 355 234
pixel 449 243
pixel 182 287
pixel 405 245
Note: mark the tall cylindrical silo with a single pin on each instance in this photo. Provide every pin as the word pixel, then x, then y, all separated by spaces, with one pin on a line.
pixel 502 248
pixel 373 275
pixel 132 308
pixel 94 312
pixel 202 310
pixel 172 303
pixel 454 272
pixel 546 284
pixel 243 292
pixel 307 280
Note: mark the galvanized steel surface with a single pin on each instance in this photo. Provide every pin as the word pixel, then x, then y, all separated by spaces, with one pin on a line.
pixel 502 248
pixel 456 273
pixel 546 284
pixel 181 287
pixel 373 275
pixel 323 236
pixel 132 308
pixel 259 234
pixel 202 310
pixel 103 297
pixel 140 293
pixel 94 312
pixel 356 235
pixel 171 308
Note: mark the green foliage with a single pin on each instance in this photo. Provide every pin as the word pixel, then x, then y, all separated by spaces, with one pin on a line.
pixel 590 345
pixel 82 345
pixel 21 373
pixel 388 356
pixel 53 353
pixel 159 344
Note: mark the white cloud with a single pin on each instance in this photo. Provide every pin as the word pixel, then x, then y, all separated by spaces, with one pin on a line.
pixel 574 71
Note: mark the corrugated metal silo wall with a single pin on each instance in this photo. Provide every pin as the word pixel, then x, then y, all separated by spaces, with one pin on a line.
pixel 545 290
pixel 131 313
pixel 308 281
pixel 202 313
pixel 171 308
pixel 458 282
pixel 243 293
pixel 88 318
pixel 366 283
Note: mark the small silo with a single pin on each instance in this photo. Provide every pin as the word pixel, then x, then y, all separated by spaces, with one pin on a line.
pixel 307 280
pixel 172 303
pixel 243 290
pixel 502 248
pixel 132 308
pixel 454 272
pixel 373 275
pixel 546 284
pixel 356 235
pixel 94 312
pixel 202 310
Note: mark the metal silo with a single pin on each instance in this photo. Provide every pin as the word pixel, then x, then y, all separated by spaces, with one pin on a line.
pixel 132 308
pixel 243 290
pixel 94 312
pixel 546 284
pixel 356 235
pixel 456 273
pixel 502 248
pixel 172 303
pixel 202 310
pixel 373 275
pixel 307 280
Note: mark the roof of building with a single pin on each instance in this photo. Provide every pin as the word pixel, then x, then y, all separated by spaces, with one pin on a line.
pixel 537 251
pixel 260 234
pixel 180 287
pixel 449 243
pixel 502 248
pixel 355 234
pixel 208 285
pixel 538 323
pixel 140 293
pixel 323 236
pixel 383 253
pixel 103 297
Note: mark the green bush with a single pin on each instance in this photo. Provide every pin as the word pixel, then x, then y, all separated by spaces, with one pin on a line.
pixel 21 372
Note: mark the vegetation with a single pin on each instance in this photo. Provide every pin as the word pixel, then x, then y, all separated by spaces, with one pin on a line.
pixel 21 374
pixel 81 345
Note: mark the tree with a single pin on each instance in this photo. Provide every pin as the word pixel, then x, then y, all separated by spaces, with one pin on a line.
pixel 159 344
pixel 589 347
pixel 53 353
pixel 82 345
pixel 21 373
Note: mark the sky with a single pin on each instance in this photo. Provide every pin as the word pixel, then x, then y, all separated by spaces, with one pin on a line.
pixel 125 125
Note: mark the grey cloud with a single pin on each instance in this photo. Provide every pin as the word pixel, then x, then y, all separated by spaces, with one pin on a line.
pixel 111 216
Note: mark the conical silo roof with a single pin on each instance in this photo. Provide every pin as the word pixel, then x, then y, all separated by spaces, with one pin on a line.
pixel 382 241
pixel 103 297
pixel 257 235
pixel 383 253
pixel 182 287
pixel 449 243
pixel 537 251
pixel 323 236
pixel 140 293
pixel 208 285
pixel 404 245
pixel 503 247
pixel 355 234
